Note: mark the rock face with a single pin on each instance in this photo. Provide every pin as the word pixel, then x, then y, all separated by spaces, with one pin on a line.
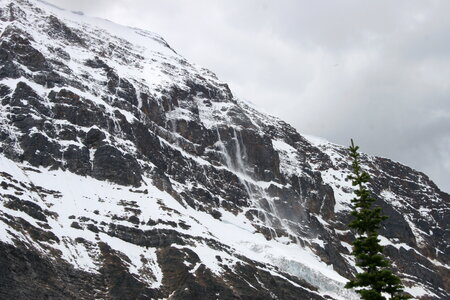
pixel 128 173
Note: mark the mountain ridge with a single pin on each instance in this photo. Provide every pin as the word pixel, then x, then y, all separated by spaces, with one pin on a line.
pixel 132 173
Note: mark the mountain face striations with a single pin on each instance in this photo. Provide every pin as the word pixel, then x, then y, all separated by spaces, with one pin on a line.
pixel 127 172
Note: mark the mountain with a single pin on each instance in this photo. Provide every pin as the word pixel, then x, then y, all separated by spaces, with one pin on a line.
pixel 127 172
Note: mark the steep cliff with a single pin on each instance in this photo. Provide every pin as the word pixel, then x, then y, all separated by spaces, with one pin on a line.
pixel 129 173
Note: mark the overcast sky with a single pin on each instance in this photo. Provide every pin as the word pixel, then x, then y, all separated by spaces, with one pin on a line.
pixel 377 71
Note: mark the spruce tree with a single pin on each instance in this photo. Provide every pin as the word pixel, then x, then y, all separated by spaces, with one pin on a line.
pixel 376 280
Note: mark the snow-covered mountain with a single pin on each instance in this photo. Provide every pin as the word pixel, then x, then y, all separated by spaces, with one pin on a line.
pixel 128 172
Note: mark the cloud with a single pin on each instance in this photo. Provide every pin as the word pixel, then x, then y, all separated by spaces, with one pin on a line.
pixel 377 71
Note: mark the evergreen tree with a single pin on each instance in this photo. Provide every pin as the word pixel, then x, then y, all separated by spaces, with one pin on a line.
pixel 376 280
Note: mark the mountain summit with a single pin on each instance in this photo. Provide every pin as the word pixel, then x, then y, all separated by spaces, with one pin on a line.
pixel 129 173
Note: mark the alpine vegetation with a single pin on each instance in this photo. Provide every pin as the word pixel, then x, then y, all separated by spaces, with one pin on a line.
pixel 375 280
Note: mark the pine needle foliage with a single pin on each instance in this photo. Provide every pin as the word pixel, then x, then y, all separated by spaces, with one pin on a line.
pixel 376 281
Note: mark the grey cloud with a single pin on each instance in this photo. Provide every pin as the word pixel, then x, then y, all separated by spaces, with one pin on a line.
pixel 373 70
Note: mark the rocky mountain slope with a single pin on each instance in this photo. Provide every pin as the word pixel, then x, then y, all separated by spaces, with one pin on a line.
pixel 129 173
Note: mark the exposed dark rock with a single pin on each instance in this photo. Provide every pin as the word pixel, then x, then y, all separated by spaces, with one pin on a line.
pixel 261 154
pixel 4 90
pixel 148 238
pixel 68 133
pixel 11 12
pixel 94 138
pixel 30 208
pixel 93 228
pixel 181 284
pixel 76 225
pixel 9 70
pixel 44 278
pixel 152 109
pixel 24 96
pixel 194 132
pixel 111 164
pixel 24 122
pixel 60 30
pixel 48 79
pixel 97 63
pixel 78 111
pixel 148 144
pixel 120 283
pixel 40 151
pixel 61 53
pixel 14 45
pixel 76 159
pixel 121 88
